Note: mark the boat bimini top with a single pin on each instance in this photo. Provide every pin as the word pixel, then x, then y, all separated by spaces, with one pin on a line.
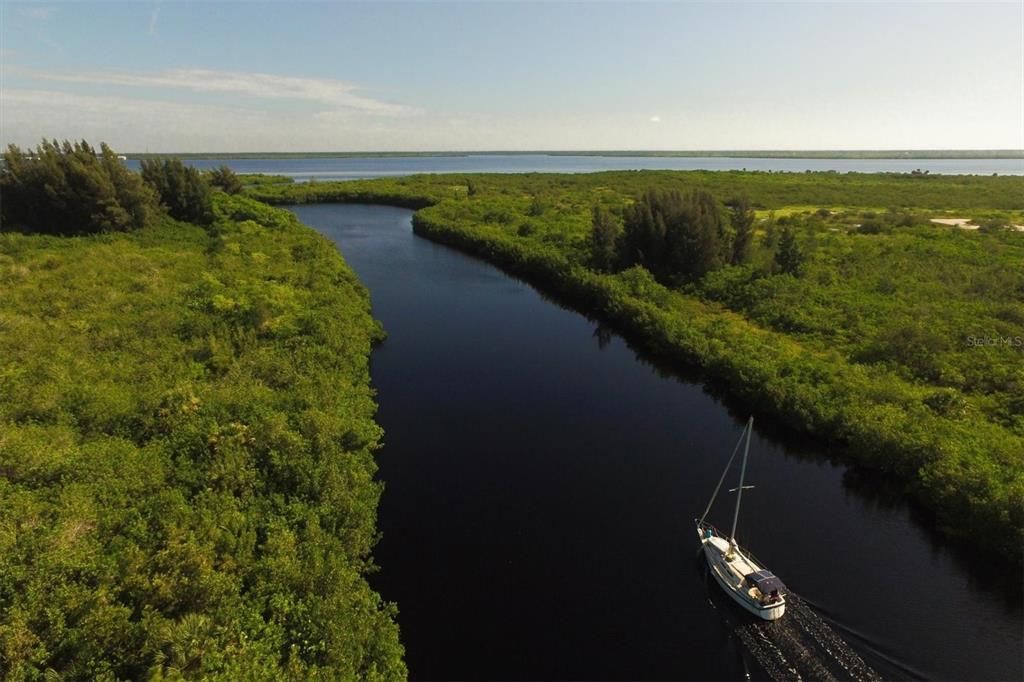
pixel 766 582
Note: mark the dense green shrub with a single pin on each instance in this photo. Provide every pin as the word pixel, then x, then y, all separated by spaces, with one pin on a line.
pixel 186 456
pixel 70 189
pixel 874 346
pixel 605 235
pixel 960 464
pixel 788 257
pixel 182 189
pixel 877 191
pixel 226 179
pixel 742 217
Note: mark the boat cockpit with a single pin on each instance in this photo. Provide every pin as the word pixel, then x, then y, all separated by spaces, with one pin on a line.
pixel 765 587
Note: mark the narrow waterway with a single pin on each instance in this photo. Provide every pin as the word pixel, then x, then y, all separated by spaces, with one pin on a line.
pixel 541 484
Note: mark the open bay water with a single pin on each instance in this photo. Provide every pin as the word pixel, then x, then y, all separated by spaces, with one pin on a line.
pixel 541 482
pixel 357 167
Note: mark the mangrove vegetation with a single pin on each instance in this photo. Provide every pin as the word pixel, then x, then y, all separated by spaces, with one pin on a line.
pixel 187 435
pixel 187 428
pixel 830 301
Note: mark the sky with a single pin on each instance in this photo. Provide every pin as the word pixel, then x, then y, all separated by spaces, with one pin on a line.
pixel 429 76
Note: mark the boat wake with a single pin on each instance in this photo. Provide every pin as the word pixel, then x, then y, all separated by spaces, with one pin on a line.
pixel 891 667
pixel 794 644
pixel 802 646
pixel 799 646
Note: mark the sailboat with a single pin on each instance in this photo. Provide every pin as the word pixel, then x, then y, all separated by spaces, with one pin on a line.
pixel 750 584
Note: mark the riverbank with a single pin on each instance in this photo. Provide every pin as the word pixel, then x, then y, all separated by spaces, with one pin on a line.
pixel 187 445
pixel 953 441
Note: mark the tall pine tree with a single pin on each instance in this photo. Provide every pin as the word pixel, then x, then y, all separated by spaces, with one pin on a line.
pixel 788 256
pixel 679 238
pixel 604 238
pixel 742 218
pixel 69 188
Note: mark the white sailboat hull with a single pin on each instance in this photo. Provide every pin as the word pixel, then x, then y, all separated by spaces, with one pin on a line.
pixel 750 585
pixel 729 574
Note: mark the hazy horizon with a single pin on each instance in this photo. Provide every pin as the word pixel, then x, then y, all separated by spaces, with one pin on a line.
pixel 602 151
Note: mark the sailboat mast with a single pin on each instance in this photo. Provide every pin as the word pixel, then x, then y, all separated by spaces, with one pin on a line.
pixel 725 472
pixel 739 491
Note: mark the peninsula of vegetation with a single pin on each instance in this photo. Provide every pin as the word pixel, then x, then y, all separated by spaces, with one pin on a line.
pixel 186 433
pixel 186 418
pixel 831 302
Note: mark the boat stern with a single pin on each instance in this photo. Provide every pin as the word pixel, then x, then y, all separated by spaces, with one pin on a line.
pixel 774 611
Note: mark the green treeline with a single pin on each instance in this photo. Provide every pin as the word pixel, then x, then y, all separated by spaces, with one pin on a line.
pixel 69 187
pixel 183 191
pixel 749 154
pixel 828 301
pixel 679 237
pixel 765 190
pixel 186 420
pixel 813 153
pixel 187 444
pixel 225 179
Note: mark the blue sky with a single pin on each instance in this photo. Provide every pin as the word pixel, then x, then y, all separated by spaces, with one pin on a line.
pixel 275 76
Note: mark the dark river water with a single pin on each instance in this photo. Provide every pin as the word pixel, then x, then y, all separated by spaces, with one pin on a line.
pixel 351 168
pixel 541 485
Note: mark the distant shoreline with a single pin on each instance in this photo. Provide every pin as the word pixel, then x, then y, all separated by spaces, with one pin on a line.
pixel 745 154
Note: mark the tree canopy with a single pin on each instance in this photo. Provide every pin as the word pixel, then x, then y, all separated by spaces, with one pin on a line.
pixel 182 189
pixel 226 179
pixel 678 236
pixel 901 346
pixel 186 456
pixel 69 188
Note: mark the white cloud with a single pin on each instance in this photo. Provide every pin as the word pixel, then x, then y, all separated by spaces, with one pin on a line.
pixel 330 93
pixel 132 124
pixel 655 119
pixel 128 124
pixel 38 13
pixel 154 16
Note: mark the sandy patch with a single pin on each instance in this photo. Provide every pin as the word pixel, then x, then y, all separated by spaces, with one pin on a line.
pixel 962 223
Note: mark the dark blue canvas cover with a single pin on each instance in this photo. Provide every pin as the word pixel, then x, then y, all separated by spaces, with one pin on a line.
pixel 766 582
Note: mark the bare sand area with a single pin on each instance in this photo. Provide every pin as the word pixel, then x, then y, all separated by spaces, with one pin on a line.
pixel 962 223
pixel 966 224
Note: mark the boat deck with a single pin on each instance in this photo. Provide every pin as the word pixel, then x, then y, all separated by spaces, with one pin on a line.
pixel 739 563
